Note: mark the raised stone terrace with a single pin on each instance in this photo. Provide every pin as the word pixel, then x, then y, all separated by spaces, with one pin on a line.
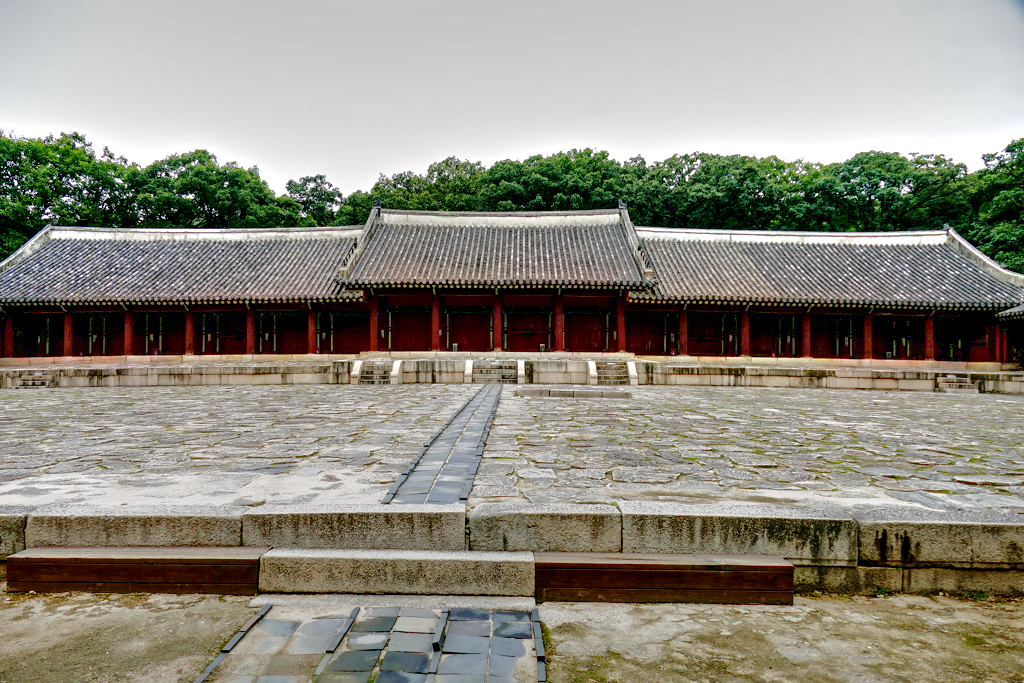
pixel 347 444
pixel 783 446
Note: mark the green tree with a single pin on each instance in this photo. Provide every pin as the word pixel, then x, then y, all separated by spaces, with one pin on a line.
pixel 319 199
pixel 884 191
pixel 193 190
pixel 998 198
pixel 574 180
pixel 58 180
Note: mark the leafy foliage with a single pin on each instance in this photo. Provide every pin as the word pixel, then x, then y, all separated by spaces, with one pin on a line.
pixel 62 180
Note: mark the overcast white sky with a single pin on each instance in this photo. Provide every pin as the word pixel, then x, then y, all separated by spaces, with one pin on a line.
pixel 352 90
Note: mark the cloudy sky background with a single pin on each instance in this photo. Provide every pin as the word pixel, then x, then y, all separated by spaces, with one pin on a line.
pixel 352 90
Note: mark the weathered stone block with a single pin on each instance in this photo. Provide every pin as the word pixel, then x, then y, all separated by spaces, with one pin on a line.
pixel 401 527
pixel 952 580
pixel 421 572
pixel 82 525
pixel 847 580
pixel 801 535
pixel 12 529
pixel 909 537
pixel 552 528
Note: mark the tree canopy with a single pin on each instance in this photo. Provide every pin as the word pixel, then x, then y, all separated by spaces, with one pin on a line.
pixel 63 181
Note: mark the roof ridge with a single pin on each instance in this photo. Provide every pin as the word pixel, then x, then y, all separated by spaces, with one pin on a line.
pixel 521 214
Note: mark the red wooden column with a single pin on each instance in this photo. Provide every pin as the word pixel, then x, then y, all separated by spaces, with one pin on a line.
pixel 744 334
pixel 9 338
pixel 620 322
pixel 497 323
pixel 999 345
pixel 559 325
pixel 435 324
pixel 684 335
pixel 869 336
pixel 929 338
pixel 129 333
pixel 250 331
pixel 311 333
pixel 190 333
pixel 69 336
pixel 805 341
pixel 374 325
pixel 1006 345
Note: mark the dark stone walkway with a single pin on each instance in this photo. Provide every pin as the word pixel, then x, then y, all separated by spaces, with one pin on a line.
pixel 386 645
pixel 447 466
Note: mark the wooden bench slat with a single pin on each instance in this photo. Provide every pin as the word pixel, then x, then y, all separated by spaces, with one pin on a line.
pixel 666 561
pixel 664 579
pixel 167 573
pixel 102 587
pixel 230 570
pixel 725 597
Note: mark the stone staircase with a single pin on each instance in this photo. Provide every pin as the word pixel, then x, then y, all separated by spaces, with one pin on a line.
pixel 375 373
pixel 612 373
pixel 951 384
pixel 34 380
pixel 495 372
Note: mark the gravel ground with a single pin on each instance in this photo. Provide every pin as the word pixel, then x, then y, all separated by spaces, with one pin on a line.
pixel 901 638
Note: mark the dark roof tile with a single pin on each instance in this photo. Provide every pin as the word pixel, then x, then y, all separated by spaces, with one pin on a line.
pixel 90 265
pixel 906 270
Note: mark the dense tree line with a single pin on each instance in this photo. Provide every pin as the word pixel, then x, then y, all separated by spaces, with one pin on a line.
pixel 62 180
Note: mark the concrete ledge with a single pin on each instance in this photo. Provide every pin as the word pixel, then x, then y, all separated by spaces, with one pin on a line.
pixel 289 570
pixel 909 537
pixel 12 529
pixel 116 526
pixel 397 527
pixel 550 528
pixel 801 535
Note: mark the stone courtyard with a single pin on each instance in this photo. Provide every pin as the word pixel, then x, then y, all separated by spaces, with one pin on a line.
pixel 783 446
pixel 347 444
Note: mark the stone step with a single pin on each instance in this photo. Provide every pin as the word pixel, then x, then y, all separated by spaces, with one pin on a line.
pixel 958 385
pixel 612 374
pixel 375 373
pixel 34 380
pixel 499 372
pixel 403 572
pixel 225 570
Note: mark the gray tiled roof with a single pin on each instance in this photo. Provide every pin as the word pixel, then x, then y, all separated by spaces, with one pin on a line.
pixel 1015 313
pixel 552 249
pixel 896 270
pixel 96 265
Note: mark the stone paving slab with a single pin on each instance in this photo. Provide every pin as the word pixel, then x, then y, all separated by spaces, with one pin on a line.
pixel 231 446
pixel 385 643
pixel 789 447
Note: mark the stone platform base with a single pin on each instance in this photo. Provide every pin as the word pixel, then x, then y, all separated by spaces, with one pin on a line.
pixel 548 370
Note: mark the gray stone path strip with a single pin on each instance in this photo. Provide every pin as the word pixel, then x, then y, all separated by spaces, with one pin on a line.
pixel 445 469
pixel 386 644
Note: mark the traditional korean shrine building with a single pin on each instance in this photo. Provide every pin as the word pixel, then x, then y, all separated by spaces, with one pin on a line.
pixel 582 281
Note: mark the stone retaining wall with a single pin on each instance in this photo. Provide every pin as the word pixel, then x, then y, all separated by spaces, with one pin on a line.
pixel 834 550
pixel 537 371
